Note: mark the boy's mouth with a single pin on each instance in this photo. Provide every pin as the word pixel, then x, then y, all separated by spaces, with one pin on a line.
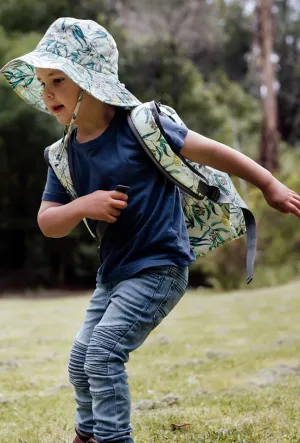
pixel 57 109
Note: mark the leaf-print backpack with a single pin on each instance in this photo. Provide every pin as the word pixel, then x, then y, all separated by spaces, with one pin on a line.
pixel 214 212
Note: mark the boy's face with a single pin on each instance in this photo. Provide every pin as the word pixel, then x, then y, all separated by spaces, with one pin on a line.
pixel 60 93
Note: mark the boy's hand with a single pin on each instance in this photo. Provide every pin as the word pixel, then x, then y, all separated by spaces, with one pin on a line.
pixel 279 197
pixel 103 205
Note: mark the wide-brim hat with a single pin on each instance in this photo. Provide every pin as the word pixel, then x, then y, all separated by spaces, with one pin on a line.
pixel 84 51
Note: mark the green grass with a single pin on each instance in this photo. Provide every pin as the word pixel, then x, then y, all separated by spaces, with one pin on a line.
pixel 228 365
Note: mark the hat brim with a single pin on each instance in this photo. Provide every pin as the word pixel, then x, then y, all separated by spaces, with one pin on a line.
pixel 21 75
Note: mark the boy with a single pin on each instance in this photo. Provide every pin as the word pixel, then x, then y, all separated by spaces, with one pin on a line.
pixel 145 249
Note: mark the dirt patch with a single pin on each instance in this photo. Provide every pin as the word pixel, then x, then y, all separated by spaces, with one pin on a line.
pixel 10 364
pixel 288 341
pixel 164 402
pixel 217 355
pixel 159 340
pixel 190 363
pixel 269 376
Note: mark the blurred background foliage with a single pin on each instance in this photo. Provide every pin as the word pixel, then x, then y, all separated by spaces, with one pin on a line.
pixel 196 56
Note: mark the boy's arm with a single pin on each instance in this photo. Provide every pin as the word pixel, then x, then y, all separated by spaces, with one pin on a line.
pixel 205 151
pixel 56 220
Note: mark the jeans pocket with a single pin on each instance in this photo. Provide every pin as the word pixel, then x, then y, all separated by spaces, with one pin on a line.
pixel 180 275
pixel 174 294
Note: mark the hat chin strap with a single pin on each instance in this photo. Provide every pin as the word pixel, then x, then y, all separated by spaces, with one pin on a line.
pixel 69 128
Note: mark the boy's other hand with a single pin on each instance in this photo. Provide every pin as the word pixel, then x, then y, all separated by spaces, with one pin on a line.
pixel 280 197
pixel 103 205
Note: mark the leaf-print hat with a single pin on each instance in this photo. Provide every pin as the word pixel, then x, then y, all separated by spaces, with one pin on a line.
pixel 84 51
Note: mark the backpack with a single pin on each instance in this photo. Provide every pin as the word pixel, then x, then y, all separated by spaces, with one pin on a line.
pixel 214 212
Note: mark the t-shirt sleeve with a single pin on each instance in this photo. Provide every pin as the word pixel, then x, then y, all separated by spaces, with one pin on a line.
pixel 54 190
pixel 175 133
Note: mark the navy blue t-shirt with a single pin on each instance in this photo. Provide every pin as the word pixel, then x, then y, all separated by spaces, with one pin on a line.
pixel 151 231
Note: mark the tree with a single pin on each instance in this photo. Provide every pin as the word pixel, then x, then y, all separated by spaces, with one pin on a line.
pixel 287 39
pixel 269 135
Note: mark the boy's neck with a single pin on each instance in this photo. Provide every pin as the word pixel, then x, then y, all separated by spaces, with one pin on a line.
pixel 94 123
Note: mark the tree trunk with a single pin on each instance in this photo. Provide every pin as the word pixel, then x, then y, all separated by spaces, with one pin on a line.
pixel 268 157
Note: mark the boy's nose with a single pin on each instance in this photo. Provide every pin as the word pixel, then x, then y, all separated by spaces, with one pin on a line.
pixel 48 93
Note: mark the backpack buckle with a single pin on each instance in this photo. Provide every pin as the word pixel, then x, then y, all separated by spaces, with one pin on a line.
pixel 213 193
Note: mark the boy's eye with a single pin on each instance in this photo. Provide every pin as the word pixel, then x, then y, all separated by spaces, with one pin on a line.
pixel 56 81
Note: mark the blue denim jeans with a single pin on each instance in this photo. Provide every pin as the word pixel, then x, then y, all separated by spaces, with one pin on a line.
pixel 119 318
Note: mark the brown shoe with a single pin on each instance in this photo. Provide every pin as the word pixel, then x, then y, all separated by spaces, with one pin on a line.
pixel 82 437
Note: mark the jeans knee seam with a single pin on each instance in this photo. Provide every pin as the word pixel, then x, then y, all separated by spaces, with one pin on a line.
pixel 134 324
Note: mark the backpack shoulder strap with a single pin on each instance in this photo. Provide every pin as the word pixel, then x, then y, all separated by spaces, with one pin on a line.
pixel 46 156
pixel 145 123
pixel 58 159
pixel 51 149
pixel 206 190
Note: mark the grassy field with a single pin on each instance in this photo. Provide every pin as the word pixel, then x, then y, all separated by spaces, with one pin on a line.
pixel 227 365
